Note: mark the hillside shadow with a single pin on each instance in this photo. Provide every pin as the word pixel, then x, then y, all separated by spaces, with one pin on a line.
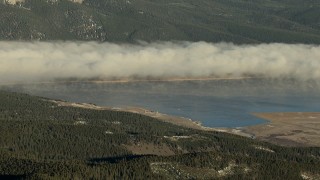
pixel 116 159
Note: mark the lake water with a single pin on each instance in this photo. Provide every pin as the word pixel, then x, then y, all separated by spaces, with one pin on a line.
pixel 216 103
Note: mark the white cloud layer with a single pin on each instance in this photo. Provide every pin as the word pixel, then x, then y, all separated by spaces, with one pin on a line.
pixel 46 61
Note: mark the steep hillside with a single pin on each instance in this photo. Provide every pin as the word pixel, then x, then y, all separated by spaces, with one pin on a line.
pixel 239 21
pixel 41 140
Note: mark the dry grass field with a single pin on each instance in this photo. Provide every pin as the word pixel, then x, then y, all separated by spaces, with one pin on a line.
pixel 288 128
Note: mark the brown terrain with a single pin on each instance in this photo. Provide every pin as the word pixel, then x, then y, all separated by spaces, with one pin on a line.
pixel 148 148
pixel 288 128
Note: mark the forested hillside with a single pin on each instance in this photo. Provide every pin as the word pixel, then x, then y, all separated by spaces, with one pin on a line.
pixel 238 21
pixel 40 139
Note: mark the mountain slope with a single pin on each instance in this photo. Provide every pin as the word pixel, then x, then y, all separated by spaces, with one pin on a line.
pixel 40 139
pixel 243 21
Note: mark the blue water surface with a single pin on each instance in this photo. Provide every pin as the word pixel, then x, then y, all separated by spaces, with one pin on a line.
pixel 216 103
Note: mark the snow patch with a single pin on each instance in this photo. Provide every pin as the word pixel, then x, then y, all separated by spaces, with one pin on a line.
pixel 109 132
pixel 227 170
pixel 264 149
pixel 80 123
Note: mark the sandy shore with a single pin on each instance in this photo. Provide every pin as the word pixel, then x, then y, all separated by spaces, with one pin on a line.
pixel 288 128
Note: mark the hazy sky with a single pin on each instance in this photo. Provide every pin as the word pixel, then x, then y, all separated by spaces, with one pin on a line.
pixel 45 61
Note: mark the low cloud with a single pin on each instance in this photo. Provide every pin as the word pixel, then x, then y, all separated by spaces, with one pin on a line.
pixel 47 61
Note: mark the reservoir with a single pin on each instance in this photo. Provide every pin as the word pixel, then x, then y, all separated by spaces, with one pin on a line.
pixel 215 103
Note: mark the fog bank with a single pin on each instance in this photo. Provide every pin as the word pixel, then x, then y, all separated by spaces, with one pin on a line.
pixel 46 61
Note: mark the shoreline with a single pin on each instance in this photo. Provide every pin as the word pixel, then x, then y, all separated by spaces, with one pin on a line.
pixel 130 80
pixel 180 121
pixel 176 120
pixel 293 129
